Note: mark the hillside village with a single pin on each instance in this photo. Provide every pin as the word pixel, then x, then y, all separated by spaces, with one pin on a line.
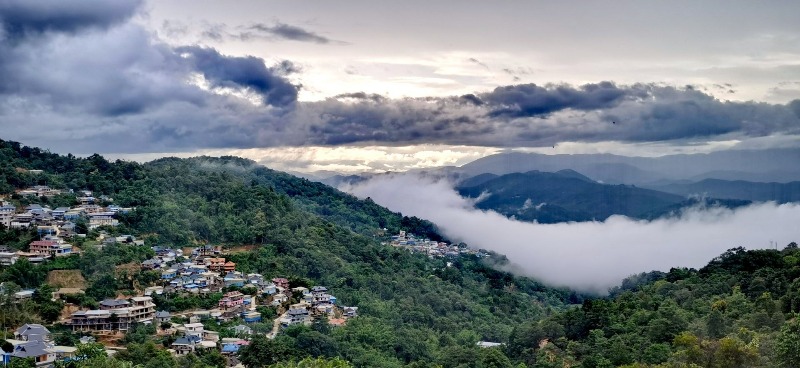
pixel 431 248
pixel 218 262
pixel 240 300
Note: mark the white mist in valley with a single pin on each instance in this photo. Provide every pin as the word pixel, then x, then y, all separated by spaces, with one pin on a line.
pixel 589 256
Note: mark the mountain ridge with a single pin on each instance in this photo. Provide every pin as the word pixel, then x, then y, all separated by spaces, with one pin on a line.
pixel 567 196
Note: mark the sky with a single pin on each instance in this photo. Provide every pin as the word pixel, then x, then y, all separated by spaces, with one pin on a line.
pixel 377 86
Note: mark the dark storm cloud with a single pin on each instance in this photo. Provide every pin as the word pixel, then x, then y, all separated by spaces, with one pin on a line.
pixel 21 18
pixel 533 100
pixel 248 72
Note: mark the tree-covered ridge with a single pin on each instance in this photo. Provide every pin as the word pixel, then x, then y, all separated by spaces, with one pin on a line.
pixel 738 311
pixel 566 195
pixel 94 173
pixel 99 175
pixel 412 308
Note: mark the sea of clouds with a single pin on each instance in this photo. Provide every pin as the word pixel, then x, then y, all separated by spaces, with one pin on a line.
pixel 588 256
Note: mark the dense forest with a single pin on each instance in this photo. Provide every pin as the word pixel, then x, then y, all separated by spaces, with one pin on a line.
pixel 738 311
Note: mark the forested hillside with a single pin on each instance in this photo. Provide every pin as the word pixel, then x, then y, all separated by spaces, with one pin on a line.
pixel 412 308
pixel 738 311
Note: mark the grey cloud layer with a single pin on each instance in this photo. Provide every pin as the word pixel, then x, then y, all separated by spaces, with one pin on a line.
pixel 532 100
pixel 532 115
pixel 245 72
pixel 88 80
pixel 28 17
pixel 277 31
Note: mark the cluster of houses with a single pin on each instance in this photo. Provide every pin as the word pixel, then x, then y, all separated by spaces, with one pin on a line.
pixel 205 270
pixel 194 337
pixel 60 221
pixel 432 249
pixel 39 250
pixel 36 342
pixel 314 303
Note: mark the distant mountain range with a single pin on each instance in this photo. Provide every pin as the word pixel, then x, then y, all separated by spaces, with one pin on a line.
pixel 776 165
pixel 558 188
pixel 567 195
pixel 739 189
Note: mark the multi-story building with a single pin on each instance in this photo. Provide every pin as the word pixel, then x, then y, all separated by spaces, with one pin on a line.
pixel 142 308
pixel 115 316
pixel 98 219
pixel 215 263
pixel 21 220
pixel 51 247
pixel 7 214
pixel 231 300
pixel 295 316
pixel 281 282
pixel 320 295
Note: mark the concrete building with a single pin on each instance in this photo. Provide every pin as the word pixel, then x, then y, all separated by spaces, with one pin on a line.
pixel 98 219
pixel 115 315
pixel 7 214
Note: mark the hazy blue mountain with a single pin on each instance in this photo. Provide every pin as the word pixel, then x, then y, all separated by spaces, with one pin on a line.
pixel 739 189
pixel 566 195
pixel 477 180
pixel 754 165
pixel 760 177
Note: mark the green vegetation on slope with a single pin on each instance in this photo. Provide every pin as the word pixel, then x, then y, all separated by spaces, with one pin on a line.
pixel 412 308
pixel 738 311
